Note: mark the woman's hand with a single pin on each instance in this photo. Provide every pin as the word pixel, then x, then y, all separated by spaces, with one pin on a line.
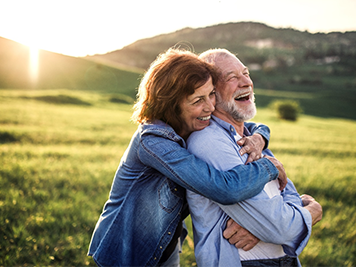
pixel 282 177
pixel 239 236
pixel 253 146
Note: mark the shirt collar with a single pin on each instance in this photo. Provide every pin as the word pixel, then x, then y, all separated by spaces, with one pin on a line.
pixel 229 128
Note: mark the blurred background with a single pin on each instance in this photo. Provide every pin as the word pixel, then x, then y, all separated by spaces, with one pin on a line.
pixel 69 72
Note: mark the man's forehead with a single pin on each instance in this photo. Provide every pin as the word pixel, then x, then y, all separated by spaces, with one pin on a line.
pixel 230 65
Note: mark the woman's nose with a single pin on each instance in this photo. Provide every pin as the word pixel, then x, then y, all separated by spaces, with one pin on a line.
pixel 210 105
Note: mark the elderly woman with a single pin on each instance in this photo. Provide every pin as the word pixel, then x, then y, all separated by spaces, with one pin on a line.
pixel 142 219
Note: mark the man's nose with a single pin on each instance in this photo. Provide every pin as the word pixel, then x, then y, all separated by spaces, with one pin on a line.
pixel 246 81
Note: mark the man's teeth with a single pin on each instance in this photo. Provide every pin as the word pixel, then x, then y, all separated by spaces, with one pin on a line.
pixel 242 96
pixel 204 118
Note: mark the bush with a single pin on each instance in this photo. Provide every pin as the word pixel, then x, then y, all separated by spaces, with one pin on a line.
pixel 61 99
pixel 287 109
pixel 120 98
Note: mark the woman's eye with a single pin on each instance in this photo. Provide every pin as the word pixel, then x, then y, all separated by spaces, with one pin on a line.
pixel 198 101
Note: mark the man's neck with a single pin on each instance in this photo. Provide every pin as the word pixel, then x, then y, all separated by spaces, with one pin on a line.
pixel 238 125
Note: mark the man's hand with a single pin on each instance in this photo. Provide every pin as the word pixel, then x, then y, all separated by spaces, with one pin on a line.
pixel 253 146
pixel 282 177
pixel 313 207
pixel 239 236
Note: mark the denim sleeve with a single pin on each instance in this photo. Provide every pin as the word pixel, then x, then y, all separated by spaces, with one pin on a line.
pixel 274 220
pixel 260 129
pixel 175 162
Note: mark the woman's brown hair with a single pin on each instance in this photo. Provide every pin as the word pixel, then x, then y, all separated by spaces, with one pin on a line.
pixel 173 76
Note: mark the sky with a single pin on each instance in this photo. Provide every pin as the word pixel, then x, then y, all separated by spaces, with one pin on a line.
pixel 88 27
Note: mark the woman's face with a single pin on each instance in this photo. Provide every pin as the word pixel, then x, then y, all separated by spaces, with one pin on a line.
pixel 197 108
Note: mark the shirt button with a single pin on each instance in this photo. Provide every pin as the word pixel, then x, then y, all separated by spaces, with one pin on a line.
pixel 160 247
pixel 175 189
pixel 169 233
pixel 232 129
pixel 155 258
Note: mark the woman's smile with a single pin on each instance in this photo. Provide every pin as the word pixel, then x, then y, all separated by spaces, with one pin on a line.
pixel 197 109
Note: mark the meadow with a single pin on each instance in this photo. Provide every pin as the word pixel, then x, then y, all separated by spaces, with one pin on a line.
pixel 59 150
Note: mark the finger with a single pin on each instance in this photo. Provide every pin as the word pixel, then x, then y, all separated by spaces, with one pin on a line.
pixel 249 159
pixel 247 247
pixel 246 242
pixel 250 245
pixel 234 240
pixel 231 229
pixel 240 244
pixel 239 238
pixel 252 157
pixel 307 197
pixel 282 179
pixel 245 149
pixel 242 141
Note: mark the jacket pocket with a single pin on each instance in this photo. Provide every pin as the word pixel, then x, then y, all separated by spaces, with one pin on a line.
pixel 169 195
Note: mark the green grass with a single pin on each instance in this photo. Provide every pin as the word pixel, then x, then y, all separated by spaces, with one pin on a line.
pixel 58 157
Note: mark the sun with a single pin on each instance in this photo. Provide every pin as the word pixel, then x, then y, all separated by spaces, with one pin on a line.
pixel 33 64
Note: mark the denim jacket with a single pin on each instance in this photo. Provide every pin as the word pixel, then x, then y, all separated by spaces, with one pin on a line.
pixel 148 192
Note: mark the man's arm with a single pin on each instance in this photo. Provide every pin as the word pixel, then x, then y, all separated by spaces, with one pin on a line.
pixel 227 155
pixel 273 220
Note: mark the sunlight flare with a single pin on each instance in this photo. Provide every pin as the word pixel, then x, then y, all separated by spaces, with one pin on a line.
pixel 33 66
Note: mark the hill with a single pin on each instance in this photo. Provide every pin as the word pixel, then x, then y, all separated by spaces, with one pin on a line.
pixel 254 42
pixel 318 70
pixel 60 71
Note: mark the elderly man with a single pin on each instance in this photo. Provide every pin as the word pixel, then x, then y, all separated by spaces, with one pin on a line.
pixel 281 220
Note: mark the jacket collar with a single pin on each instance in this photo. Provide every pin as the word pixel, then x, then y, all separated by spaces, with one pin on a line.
pixel 160 128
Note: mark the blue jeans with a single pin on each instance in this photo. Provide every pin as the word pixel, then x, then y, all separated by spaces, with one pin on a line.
pixel 284 261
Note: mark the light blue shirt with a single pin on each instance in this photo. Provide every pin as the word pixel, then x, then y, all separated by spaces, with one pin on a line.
pixel 279 220
pixel 147 196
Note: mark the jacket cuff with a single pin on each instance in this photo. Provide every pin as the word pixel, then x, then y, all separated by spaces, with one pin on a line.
pixel 272 170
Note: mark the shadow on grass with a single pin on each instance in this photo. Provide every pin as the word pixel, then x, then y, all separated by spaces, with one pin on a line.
pixel 6 137
pixel 338 154
pixel 60 99
pixel 334 192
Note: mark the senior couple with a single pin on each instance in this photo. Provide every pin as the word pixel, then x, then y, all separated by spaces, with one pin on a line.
pixel 193 147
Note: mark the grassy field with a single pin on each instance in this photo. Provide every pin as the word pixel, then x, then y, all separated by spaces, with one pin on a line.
pixel 59 150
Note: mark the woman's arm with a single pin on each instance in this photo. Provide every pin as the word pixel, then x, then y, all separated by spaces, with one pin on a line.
pixel 175 162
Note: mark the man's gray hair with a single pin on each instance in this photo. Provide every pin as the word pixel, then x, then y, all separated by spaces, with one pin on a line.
pixel 212 55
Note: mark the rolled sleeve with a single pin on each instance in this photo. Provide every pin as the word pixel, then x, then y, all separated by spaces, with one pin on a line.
pixel 285 223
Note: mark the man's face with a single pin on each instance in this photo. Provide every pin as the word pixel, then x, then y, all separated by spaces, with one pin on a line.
pixel 234 92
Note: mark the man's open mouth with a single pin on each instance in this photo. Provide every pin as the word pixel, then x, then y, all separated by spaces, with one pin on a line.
pixel 243 97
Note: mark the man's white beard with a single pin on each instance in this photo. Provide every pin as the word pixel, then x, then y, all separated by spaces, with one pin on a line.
pixel 238 113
